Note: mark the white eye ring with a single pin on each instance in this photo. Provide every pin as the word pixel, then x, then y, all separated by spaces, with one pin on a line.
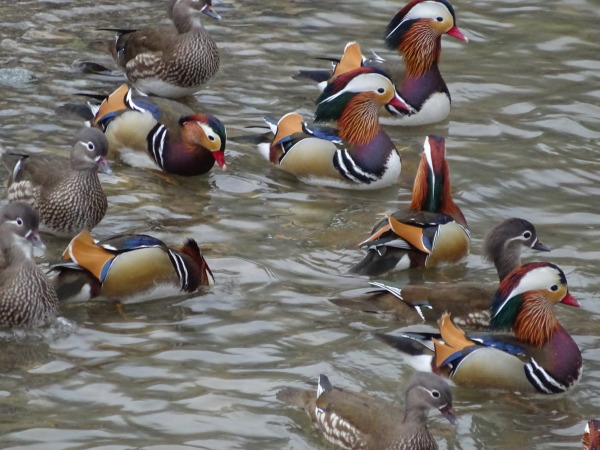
pixel 90 146
pixel 527 234
pixel 435 394
pixel 19 222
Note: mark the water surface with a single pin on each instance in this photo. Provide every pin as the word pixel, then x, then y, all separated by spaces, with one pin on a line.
pixel 201 371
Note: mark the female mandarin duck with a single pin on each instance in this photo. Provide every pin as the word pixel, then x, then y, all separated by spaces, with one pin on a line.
pixel 159 133
pixel 27 298
pixel 68 198
pixel 416 33
pixel 358 154
pixel 431 231
pixel 166 61
pixel 539 357
pixel 591 436
pixel 128 265
pixel 355 420
pixel 469 302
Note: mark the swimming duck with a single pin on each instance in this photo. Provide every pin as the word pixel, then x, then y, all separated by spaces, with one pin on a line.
pixel 415 32
pixel 358 154
pixel 354 420
pixel 539 356
pixel 68 196
pixel 27 298
pixel 168 61
pixel 431 231
pixel 128 265
pixel 469 302
pixel 159 133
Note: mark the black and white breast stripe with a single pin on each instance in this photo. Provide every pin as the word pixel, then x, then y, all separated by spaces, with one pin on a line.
pixel 130 103
pixel 156 143
pixel 181 269
pixel 346 166
pixel 542 380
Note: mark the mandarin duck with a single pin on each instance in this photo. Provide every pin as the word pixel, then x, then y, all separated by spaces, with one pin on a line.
pixel 159 133
pixel 128 265
pixel 68 198
pixel 431 231
pixel 27 298
pixel 415 32
pixel 358 154
pixel 469 302
pixel 591 436
pixel 354 420
pixel 168 61
pixel 538 357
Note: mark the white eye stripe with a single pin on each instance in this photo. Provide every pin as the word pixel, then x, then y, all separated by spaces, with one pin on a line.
pixel 425 10
pixel 540 278
pixel 364 83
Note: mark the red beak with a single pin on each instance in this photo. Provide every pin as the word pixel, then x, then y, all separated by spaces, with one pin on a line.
pixel 220 159
pixel 397 104
pixel 455 32
pixel 569 300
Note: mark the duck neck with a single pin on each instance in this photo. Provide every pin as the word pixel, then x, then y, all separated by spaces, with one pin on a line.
pixel 535 322
pixel 359 121
pixel 505 258
pixel 421 49
pixel 186 21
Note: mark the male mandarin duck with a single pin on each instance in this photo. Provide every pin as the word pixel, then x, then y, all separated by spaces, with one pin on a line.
pixel 128 265
pixel 591 436
pixel 27 298
pixel 416 33
pixel 358 154
pixel 168 61
pixel 468 302
pixel 68 197
pixel 159 133
pixel 431 231
pixel 354 420
pixel 538 357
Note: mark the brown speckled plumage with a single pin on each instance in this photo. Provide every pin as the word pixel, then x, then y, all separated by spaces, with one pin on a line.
pixel 355 421
pixel 27 299
pixel 169 61
pixel 68 199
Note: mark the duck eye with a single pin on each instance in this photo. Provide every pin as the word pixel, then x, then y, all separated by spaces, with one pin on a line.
pixel 381 90
pixel 554 288
pixel 19 222
pixel 435 394
pixel 211 137
pixel 527 234
pixel 439 19
pixel 90 146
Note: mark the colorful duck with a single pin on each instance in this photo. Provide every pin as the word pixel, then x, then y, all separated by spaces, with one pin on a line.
pixel 159 133
pixel 128 265
pixel 358 154
pixel 431 231
pixel 415 32
pixel 538 357
pixel 468 302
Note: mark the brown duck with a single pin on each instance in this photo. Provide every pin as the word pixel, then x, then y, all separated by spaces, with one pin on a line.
pixel 355 420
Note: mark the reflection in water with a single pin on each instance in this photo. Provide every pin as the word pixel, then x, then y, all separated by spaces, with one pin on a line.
pixel 202 370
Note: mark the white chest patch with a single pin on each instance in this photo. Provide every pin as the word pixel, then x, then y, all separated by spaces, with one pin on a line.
pixel 435 109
